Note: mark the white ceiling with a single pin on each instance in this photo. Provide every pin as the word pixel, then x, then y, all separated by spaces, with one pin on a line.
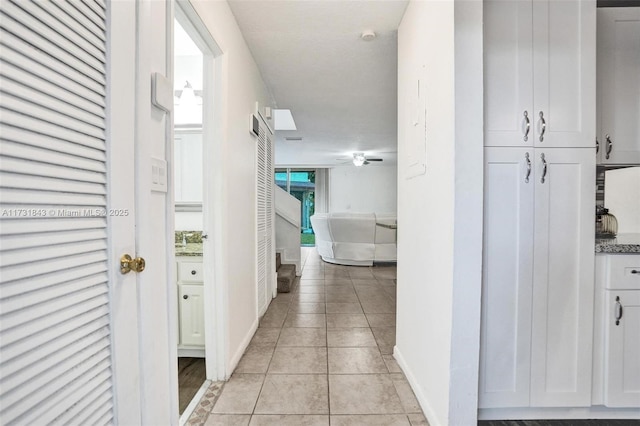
pixel 340 89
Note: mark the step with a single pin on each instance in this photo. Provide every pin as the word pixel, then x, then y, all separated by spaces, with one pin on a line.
pixel 286 278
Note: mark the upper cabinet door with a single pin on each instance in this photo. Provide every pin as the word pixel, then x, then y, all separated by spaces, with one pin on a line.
pixel 619 84
pixel 539 73
pixel 508 69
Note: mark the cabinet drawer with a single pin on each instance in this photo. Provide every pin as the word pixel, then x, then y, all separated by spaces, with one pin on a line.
pixel 623 272
pixel 190 272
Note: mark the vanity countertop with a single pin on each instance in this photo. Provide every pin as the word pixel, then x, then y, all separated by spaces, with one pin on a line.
pixel 621 244
pixel 191 249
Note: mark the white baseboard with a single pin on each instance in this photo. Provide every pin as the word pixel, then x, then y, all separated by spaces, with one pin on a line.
pixel 184 417
pixel 549 413
pixel 235 359
pixel 428 411
pixel 191 352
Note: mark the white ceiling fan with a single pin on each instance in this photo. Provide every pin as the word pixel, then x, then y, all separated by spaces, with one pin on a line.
pixel 360 159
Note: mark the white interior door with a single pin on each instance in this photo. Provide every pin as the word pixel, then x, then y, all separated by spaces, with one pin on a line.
pixel 69 334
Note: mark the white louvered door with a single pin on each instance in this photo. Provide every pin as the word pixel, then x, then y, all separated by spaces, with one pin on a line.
pixel 59 286
pixel 265 265
pixel 270 229
pixel 261 207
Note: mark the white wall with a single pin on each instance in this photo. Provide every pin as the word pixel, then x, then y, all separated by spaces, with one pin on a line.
pixel 367 189
pixel 440 211
pixel 235 169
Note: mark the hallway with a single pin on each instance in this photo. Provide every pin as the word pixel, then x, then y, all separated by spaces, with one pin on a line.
pixel 323 355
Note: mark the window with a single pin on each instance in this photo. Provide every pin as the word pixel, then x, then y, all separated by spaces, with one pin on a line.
pixel 302 185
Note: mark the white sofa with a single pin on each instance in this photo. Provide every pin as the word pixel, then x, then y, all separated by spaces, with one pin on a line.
pixel 355 238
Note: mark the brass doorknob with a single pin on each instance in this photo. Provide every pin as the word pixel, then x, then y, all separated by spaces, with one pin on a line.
pixel 128 264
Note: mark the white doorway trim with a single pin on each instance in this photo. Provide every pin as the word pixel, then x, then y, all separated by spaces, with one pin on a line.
pixel 215 289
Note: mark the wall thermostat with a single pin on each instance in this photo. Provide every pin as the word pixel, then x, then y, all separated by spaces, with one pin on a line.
pixel 255 125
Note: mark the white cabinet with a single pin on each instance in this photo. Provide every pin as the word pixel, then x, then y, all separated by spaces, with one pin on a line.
pixel 536 337
pixel 191 314
pixel 563 280
pixel 507 278
pixel 619 85
pixel 190 302
pixel 617 352
pixel 539 73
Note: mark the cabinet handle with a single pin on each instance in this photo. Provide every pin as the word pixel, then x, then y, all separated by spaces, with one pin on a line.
pixel 609 146
pixel 544 168
pixel 619 310
pixel 597 145
pixel 544 126
pixel 193 272
pixel 185 297
pixel 528 126
pixel 635 271
pixel 526 157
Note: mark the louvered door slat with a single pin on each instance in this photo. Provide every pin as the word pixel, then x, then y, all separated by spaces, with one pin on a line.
pixel 14 119
pixel 97 396
pixel 37 84
pixel 70 34
pixel 55 338
pixel 49 147
pixel 16 197
pixel 18 181
pixel 45 113
pixel 14 24
pixel 30 226
pixel 47 341
pixel 38 64
pixel 17 90
pixel 20 165
pixel 74 13
pixel 95 327
pixel 33 254
pixel 96 7
pixel 25 271
pixel 25 307
pixel 61 388
pixel 54 364
pixel 16 242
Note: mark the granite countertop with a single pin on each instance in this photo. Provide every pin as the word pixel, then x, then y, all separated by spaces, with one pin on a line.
pixel 621 244
pixel 193 240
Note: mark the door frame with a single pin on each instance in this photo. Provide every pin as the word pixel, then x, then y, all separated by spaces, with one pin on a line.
pixel 120 135
pixel 215 290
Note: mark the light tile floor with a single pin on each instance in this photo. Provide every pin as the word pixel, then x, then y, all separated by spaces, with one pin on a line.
pixel 323 356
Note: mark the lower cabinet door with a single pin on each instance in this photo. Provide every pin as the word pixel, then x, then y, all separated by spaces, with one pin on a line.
pixel 507 278
pixel 563 277
pixel 191 298
pixel 622 355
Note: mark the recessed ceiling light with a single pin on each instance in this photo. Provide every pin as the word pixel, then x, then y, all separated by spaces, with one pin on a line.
pixel 368 35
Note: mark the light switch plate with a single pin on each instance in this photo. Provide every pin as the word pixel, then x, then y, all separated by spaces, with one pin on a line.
pixel 161 92
pixel 158 175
